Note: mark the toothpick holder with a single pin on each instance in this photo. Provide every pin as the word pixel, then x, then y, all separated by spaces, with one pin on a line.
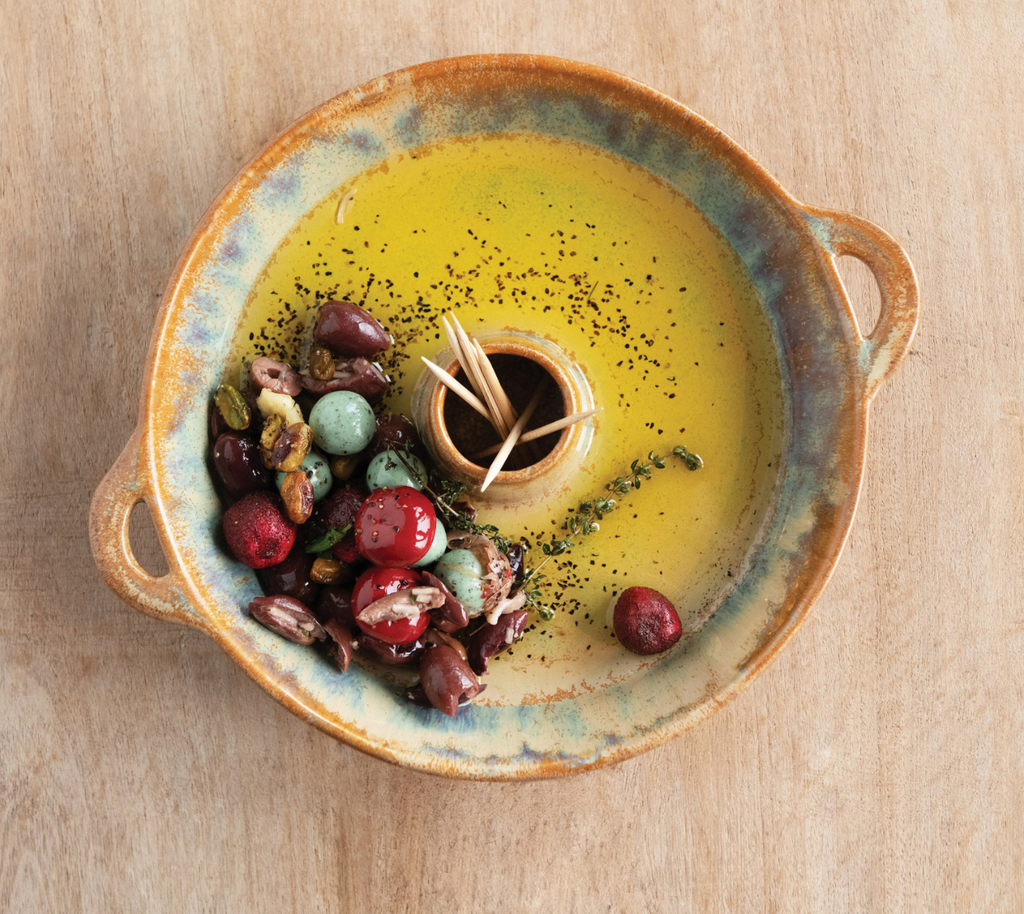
pixel 538 481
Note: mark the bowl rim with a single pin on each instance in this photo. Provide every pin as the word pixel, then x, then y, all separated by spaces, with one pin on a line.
pixel 821 232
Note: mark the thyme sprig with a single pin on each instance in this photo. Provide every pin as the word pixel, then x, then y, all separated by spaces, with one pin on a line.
pixel 451 492
pixel 586 518
pixel 588 515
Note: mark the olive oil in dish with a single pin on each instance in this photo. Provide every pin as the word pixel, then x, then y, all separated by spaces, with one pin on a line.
pixel 524 233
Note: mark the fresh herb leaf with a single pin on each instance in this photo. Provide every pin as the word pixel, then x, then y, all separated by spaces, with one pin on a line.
pixel 584 519
pixel 331 538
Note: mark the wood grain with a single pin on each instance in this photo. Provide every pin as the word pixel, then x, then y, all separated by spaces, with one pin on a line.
pixel 875 767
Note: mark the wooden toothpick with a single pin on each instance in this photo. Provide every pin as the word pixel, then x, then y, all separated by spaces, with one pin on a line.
pixel 507 410
pixel 459 342
pixel 536 433
pixel 513 437
pixel 456 387
pixel 490 400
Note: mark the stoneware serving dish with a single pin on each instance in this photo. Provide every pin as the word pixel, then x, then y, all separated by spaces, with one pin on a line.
pixel 830 371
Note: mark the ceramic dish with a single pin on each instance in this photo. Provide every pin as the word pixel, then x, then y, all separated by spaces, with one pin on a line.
pixel 566 708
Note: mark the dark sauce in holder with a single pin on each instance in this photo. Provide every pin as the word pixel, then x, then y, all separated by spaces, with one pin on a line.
pixel 519 376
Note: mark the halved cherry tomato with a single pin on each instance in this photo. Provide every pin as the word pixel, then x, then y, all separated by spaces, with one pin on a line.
pixel 377 583
pixel 395 527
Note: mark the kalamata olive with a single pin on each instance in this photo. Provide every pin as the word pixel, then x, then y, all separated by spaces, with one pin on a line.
pixel 452 616
pixel 238 463
pixel 218 425
pixel 338 644
pixel 418 697
pixel 347 329
pixel 516 561
pixel 490 640
pixel 447 678
pixel 288 618
pixel 434 636
pixel 335 603
pixel 396 433
pixel 279 377
pixel 358 376
pixel 339 509
pixel 391 654
pixel 291 577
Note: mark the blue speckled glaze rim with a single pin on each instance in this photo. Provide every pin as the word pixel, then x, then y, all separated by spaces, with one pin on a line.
pixel 830 374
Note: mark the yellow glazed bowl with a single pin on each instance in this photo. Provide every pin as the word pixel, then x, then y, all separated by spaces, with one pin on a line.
pixel 571 708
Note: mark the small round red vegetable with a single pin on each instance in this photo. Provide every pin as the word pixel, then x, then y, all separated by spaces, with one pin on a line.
pixel 377 583
pixel 395 527
pixel 645 621
pixel 258 532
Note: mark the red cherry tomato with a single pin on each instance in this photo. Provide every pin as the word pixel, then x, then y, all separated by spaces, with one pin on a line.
pixel 377 583
pixel 395 527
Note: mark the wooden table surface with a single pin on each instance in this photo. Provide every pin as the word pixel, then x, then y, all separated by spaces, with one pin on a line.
pixel 877 766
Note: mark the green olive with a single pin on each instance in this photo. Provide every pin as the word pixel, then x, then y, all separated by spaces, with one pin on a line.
pixel 342 423
pixel 390 468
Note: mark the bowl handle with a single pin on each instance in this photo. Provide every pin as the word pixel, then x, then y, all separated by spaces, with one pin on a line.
pixel 888 344
pixel 120 491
